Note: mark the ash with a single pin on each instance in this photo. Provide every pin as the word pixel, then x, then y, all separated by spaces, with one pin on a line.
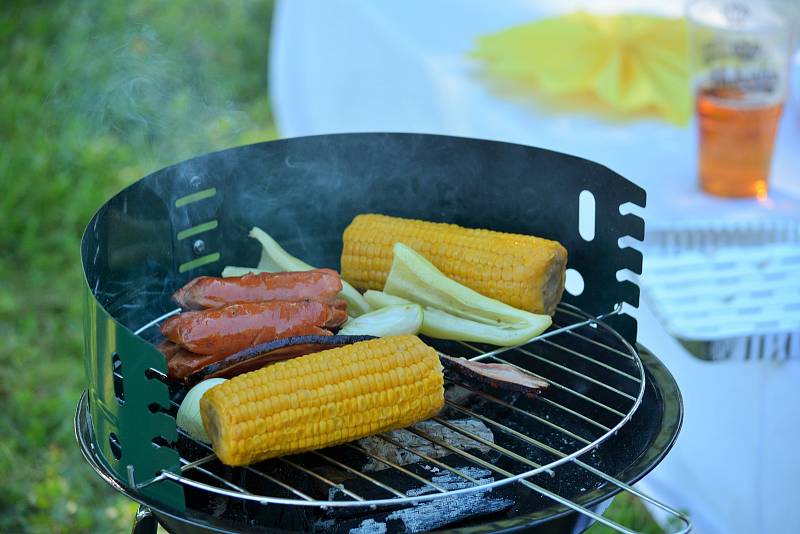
pixel 384 449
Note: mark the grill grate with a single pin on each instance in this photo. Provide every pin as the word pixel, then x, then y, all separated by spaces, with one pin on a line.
pixel 597 383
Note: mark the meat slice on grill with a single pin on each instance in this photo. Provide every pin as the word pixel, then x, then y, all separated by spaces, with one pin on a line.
pixel 495 375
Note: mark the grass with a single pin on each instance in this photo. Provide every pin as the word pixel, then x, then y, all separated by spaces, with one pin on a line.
pixel 630 512
pixel 96 94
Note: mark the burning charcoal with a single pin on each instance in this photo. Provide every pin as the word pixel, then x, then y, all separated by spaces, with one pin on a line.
pixel 384 449
pixel 440 512
pixel 393 478
pixel 426 515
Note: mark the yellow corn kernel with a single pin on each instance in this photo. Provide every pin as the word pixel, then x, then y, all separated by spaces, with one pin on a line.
pixel 398 381
pixel 523 271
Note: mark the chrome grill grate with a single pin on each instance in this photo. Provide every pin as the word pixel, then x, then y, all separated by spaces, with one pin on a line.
pixel 597 383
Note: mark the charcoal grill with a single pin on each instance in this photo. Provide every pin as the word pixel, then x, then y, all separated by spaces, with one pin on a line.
pixel 490 461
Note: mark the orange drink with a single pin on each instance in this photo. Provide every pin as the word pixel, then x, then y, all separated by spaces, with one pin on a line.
pixel 739 54
pixel 736 140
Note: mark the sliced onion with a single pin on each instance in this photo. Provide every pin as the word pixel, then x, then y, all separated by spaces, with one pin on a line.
pixel 189 411
pixel 388 321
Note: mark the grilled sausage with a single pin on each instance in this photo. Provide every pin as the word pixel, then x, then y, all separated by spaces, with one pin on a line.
pixel 223 331
pixel 191 367
pixel 211 292
pixel 181 363
pixel 185 365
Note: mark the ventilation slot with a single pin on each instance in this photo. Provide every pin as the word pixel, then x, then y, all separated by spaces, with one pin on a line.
pixel 119 388
pixel 198 262
pixel 199 229
pixel 152 374
pixel 194 197
pixel 114 445
pixel 574 283
pixel 155 407
pixel 586 215
pixel 161 441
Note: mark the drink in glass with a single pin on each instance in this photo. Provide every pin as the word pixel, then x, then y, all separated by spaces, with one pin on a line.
pixel 740 61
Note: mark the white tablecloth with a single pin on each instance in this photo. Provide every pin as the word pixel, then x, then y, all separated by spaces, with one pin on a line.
pixel 346 66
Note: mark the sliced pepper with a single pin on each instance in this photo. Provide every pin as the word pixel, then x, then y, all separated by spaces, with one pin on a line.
pixel 442 325
pixel 415 278
pixel 379 299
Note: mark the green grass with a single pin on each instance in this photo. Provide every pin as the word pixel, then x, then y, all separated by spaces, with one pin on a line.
pixel 629 512
pixel 93 95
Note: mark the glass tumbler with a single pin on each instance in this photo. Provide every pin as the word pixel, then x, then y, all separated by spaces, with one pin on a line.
pixel 739 53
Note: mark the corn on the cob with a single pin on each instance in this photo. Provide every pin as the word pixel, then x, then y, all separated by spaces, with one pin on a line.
pixel 523 271
pixel 323 399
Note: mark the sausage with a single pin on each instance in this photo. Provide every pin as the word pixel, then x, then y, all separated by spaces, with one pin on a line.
pixel 192 368
pixel 181 363
pixel 223 331
pixel 211 292
pixel 168 349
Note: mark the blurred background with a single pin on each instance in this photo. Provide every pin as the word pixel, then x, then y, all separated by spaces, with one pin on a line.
pixel 98 94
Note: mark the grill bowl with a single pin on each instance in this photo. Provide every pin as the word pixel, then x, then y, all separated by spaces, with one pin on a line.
pixel 635 451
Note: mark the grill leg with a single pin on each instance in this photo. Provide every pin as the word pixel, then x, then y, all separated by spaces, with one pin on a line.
pixel 144 522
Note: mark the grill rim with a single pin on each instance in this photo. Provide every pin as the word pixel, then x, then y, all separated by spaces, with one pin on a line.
pixel 658 377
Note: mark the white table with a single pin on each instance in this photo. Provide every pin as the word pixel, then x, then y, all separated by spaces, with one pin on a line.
pixel 347 66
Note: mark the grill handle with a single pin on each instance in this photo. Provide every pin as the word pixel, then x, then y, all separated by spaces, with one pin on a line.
pixel 683 518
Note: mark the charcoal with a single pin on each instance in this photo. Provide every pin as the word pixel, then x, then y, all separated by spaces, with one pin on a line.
pixel 384 449
pixel 425 515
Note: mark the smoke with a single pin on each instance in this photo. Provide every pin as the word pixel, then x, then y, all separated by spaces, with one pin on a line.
pixel 168 82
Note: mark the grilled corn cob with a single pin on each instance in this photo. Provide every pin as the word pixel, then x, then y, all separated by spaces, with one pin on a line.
pixel 323 399
pixel 523 271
